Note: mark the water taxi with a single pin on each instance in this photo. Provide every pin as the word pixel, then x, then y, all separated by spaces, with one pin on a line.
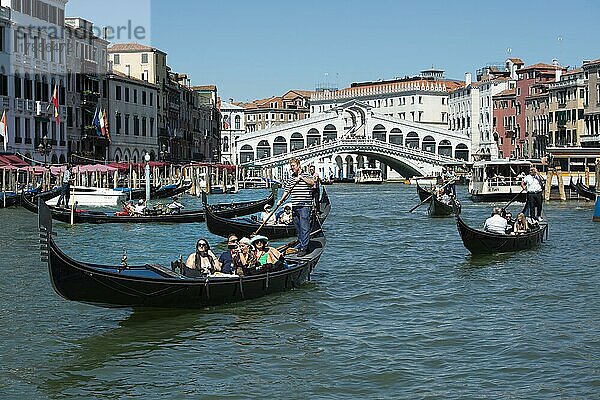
pixel 498 180
pixel 368 176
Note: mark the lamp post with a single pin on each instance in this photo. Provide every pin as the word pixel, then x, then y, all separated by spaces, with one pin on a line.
pixel 44 148
pixel 147 170
pixel 163 152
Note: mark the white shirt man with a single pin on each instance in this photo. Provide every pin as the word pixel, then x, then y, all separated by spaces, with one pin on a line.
pixel 532 184
pixel 496 223
pixel 264 216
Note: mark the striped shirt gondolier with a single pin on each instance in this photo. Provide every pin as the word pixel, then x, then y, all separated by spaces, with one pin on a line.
pixel 301 194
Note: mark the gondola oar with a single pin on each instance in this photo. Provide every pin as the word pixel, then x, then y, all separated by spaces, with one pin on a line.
pixel 513 199
pixel 432 194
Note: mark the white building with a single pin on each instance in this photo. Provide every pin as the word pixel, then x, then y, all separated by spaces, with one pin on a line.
pixel 33 64
pixel 232 128
pixel 471 110
pixel 132 118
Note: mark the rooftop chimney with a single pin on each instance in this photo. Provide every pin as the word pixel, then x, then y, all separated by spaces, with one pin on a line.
pixel 468 78
pixel 555 62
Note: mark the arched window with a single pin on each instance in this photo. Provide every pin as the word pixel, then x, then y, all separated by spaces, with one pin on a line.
pixel 263 149
pixel 238 122
pixel 379 132
pixel 462 152
pixel 246 153
pixel 329 133
pixel 412 140
pixel 54 159
pixel 396 136
pixel 445 148
pixel 225 144
pixel 313 137
pixel 62 159
pixel 127 155
pixel 135 156
pixel 279 145
pixel 118 155
pixel 296 141
pixel 429 144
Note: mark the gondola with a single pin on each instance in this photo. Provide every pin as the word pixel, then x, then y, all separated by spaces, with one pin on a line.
pixel 584 191
pixel 481 242
pixel 438 208
pixel 8 199
pixel 222 226
pixel 157 286
pixel 167 191
pixel 423 193
pixel 99 217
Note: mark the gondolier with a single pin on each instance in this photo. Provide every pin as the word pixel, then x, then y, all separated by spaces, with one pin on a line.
pixel 532 183
pixel 66 188
pixel 299 188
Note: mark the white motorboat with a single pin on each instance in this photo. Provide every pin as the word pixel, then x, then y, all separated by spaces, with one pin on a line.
pixel 498 180
pixel 90 196
pixel 368 176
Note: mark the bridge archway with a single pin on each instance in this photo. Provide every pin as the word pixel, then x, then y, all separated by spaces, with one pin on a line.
pixel 313 137
pixel 379 133
pixel 428 144
pixel 412 140
pixel 396 136
pixel 263 150
pixel 445 148
pixel 462 152
pixel 246 153
pixel 349 161
pixel 329 133
pixel 279 146
pixel 296 141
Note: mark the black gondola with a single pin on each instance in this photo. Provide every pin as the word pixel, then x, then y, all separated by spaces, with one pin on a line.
pixel 156 286
pixel 481 242
pixel 8 199
pixel 222 226
pixel 438 208
pixel 99 217
pixel 167 191
pixel 585 191
pixel 423 193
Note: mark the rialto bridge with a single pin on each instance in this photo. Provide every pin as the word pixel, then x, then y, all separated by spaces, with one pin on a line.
pixel 352 136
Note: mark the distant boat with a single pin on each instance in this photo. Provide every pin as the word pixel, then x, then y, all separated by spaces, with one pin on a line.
pixel 91 196
pixel 498 180
pixel 368 176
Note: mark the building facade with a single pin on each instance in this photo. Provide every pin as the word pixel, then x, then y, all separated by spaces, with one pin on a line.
pixel 566 109
pixel 504 123
pixel 232 129
pixel 274 111
pixel 132 114
pixel 422 98
pixel 33 58
pixel 592 104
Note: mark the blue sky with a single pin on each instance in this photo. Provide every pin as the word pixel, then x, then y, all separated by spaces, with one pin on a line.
pixel 256 49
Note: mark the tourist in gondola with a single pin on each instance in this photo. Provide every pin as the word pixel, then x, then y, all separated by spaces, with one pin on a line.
pixel 66 187
pixel 509 222
pixel 140 207
pixel 299 188
pixel 266 217
pixel 286 217
pixel 175 206
pixel 244 258
pixel 533 184
pixel 316 189
pixel 203 260
pixel 521 225
pixel 268 258
pixel 496 223
pixel 226 258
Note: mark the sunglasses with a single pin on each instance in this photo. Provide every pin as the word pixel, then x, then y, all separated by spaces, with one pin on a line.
pixel 202 245
pixel 233 240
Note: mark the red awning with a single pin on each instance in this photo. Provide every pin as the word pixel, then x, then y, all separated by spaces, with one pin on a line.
pixel 12 160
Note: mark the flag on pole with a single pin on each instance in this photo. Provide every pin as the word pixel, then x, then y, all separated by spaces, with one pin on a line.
pixel 4 130
pixel 106 131
pixel 96 122
pixel 54 101
pixel 101 122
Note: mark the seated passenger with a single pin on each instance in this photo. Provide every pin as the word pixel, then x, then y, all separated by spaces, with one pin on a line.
pixel 269 258
pixel 226 258
pixel 286 218
pixel 521 225
pixel 128 209
pixel 509 222
pixel 140 207
pixel 266 217
pixel 175 206
pixel 244 258
pixel 496 223
pixel 202 262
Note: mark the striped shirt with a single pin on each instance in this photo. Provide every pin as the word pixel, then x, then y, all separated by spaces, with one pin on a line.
pixel 301 194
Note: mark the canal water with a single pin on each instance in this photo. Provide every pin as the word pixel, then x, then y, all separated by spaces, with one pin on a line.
pixel 397 308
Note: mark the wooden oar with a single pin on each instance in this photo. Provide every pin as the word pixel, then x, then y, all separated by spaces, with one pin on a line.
pixel 430 196
pixel 277 205
pixel 513 199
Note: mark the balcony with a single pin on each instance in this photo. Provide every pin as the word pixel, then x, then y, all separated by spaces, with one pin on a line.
pixel 89 98
pixel 5 13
